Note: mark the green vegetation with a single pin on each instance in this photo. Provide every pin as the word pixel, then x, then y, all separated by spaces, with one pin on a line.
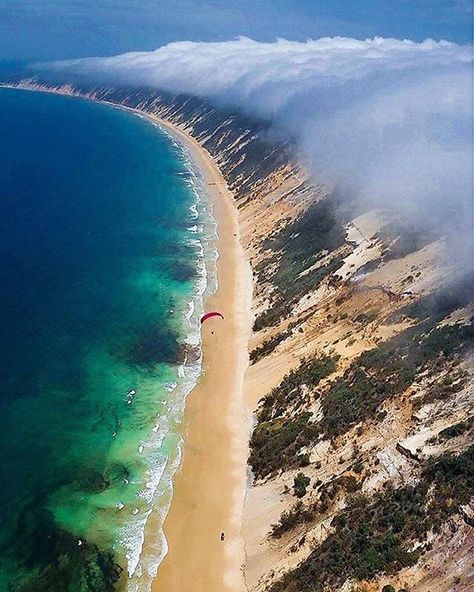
pixel 290 391
pixel 447 386
pixel 270 344
pixel 386 371
pixel 369 266
pixel 275 444
pixel 298 286
pixel 301 243
pixel 272 316
pixel 298 514
pixel 404 239
pixel 276 441
pixel 355 397
pixel 364 318
pixel 455 430
pixel 294 249
pixel 300 483
pixel 302 514
pixel 376 535
pixel 439 304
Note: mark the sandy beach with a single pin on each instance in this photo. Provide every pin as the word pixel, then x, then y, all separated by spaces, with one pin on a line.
pixel 317 432
pixel 209 487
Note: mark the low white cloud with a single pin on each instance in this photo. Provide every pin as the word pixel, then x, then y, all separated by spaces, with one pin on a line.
pixel 392 117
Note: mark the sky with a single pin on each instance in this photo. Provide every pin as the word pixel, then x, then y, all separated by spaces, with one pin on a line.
pixel 60 29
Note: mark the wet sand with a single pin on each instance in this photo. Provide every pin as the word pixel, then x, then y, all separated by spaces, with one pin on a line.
pixel 209 487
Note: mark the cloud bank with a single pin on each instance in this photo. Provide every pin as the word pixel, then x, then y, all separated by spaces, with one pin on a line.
pixel 391 118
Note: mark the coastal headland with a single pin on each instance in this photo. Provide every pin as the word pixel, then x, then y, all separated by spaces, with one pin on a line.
pixel 359 379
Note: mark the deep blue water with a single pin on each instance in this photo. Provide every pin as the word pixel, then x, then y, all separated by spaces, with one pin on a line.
pixel 95 253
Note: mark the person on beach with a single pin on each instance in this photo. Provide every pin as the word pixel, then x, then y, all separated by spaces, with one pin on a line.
pixel 222 536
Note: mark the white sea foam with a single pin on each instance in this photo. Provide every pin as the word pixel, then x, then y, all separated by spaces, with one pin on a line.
pixel 157 486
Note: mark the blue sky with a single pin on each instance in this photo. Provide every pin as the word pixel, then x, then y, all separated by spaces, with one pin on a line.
pixel 54 29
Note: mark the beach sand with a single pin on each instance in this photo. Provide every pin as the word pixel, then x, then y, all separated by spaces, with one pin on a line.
pixel 209 488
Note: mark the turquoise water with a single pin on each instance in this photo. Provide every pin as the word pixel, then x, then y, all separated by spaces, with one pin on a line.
pixel 101 242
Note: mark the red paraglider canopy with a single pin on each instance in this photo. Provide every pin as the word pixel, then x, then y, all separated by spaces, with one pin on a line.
pixel 208 315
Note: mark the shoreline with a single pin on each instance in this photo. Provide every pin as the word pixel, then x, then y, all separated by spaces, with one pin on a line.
pixel 369 293
pixel 210 485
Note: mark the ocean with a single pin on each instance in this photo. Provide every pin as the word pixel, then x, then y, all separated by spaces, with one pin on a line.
pixel 107 251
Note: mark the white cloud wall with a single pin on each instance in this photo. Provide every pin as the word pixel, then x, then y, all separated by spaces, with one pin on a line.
pixel 392 118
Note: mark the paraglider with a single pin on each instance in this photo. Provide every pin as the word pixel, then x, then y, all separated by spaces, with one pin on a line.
pixel 208 315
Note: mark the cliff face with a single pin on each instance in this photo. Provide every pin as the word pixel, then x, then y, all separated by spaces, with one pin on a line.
pixel 359 376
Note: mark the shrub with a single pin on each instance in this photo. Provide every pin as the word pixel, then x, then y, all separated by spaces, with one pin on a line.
pixel 274 444
pixel 268 346
pixel 300 483
pixel 455 430
pixel 309 373
pixel 376 535
pixel 366 317
pixel 388 370
pixel 300 244
pixel 272 316
pixel 298 514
